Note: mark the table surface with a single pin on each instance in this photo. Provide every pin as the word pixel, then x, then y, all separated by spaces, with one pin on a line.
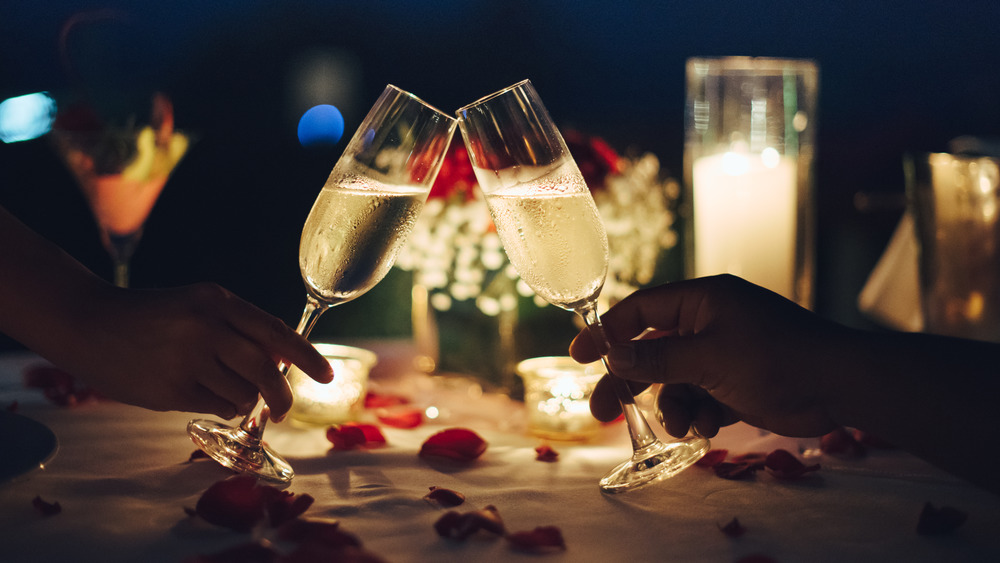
pixel 123 480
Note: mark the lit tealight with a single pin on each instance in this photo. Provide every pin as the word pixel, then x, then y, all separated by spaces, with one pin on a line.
pixel 557 393
pixel 338 401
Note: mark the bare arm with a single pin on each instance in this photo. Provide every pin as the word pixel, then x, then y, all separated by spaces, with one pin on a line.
pixel 197 348
pixel 729 350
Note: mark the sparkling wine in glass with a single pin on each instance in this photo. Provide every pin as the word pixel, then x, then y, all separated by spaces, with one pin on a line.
pixel 552 232
pixel 357 225
pixel 121 171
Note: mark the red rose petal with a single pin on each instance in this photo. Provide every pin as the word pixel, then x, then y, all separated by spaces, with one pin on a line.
pixel 841 443
pixel 373 436
pixel 378 400
pixel 712 458
pixel 871 440
pixel 542 539
pixel 733 528
pixel 459 526
pixel 196 455
pixel 255 552
pixel 939 521
pixel 735 471
pixel 753 458
pixel 783 465
pixel 457 444
pixel 546 453
pixel 444 497
pixel 282 506
pixel 58 386
pixel 46 508
pixel 236 503
pixel 345 437
pixel 400 418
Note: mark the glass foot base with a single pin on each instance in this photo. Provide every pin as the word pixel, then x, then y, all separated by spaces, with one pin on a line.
pixel 655 462
pixel 239 451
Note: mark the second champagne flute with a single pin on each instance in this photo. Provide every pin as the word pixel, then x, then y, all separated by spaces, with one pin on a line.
pixel 549 225
pixel 357 225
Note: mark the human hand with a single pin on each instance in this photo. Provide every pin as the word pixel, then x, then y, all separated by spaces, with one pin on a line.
pixel 724 350
pixel 197 348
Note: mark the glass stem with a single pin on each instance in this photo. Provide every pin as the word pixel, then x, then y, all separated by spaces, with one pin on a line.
pixel 253 424
pixel 639 431
pixel 121 273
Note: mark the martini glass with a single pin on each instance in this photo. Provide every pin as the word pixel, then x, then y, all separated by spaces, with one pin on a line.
pixel 122 172
pixel 552 232
pixel 359 222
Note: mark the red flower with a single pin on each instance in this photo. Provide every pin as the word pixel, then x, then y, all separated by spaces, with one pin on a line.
pixel 542 539
pixel 546 453
pixel 444 497
pixel 595 158
pixel 351 435
pixel 457 444
pixel 784 465
pixel 456 176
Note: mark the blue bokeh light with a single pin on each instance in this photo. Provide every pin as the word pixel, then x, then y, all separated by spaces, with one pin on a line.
pixel 321 125
pixel 26 117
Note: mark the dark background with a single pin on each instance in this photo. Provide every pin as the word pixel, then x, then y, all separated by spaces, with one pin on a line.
pixel 894 77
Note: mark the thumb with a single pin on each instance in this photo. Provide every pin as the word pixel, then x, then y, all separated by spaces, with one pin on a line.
pixel 657 360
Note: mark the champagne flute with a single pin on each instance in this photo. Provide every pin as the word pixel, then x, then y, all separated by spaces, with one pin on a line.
pixel 552 232
pixel 357 225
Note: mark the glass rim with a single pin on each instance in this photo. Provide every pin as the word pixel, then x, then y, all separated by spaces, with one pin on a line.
pixel 496 94
pixel 748 63
pixel 419 100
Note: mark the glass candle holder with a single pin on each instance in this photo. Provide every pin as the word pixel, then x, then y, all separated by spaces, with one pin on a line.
pixel 338 401
pixel 750 126
pixel 557 393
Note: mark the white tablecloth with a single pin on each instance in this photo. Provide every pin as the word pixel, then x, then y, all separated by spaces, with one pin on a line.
pixel 122 479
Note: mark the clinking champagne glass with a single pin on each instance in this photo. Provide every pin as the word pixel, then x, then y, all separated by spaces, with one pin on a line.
pixel 360 220
pixel 552 232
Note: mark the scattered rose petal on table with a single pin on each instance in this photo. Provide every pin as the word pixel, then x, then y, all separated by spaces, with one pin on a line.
pixel 733 528
pixel 939 521
pixel 196 455
pixel 546 453
pixel 444 497
pixel 735 471
pixel 46 508
pixel 712 458
pixel 58 386
pixel 460 525
pixel 457 444
pixel 753 458
pixel 841 443
pixel 352 435
pixel 783 465
pixel 871 440
pixel 400 418
pixel 379 400
pixel 542 539
pixel 240 503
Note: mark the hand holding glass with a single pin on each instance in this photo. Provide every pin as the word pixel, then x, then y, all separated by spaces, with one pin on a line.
pixel 552 232
pixel 361 218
